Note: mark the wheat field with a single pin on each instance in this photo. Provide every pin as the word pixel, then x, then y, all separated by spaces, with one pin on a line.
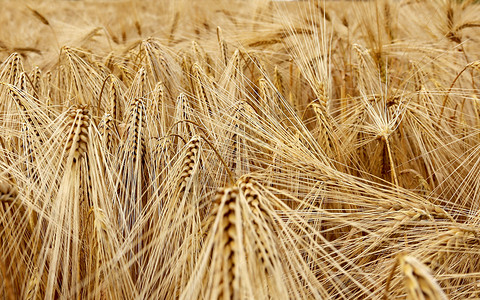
pixel 240 149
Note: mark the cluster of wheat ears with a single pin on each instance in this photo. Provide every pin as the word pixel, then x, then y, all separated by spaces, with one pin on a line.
pixel 240 150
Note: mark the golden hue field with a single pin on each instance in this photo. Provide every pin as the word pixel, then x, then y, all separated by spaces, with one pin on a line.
pixel 240 150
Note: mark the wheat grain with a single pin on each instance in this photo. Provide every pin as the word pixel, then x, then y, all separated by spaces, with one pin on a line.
pixel 78 123
pixel 419 283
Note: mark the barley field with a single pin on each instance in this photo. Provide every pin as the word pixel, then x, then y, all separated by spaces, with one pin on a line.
pixel 240 149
